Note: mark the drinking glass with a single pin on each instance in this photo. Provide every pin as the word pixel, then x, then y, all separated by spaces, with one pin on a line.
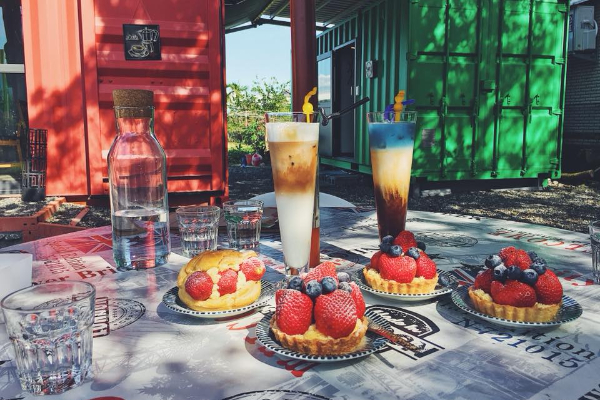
pixel 243 218
pixel 391 141
pixel 293 140
pixel 595 239
pixel 50 326
pixel 198 228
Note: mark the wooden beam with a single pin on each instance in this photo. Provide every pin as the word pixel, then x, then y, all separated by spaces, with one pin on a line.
pixel 280 9
pixel 345 13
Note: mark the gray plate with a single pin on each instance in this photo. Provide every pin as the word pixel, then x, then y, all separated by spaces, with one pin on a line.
pixel 172 301
pixel 373 342
pixel 569 311
pixel 438 290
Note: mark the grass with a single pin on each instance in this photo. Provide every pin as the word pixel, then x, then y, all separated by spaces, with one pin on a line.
pixel 236 151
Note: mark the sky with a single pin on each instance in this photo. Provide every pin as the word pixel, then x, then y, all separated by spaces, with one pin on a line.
pixel 262 52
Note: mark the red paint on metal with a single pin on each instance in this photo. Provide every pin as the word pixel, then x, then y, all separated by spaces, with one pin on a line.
pixel 75 59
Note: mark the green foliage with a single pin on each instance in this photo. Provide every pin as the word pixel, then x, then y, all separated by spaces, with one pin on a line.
pixel 246 107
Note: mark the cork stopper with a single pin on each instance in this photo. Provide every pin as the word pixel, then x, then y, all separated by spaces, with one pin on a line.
pixel 138 103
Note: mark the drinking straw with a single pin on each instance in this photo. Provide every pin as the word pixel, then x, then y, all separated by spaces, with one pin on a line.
pixel 307 107
pixel 398 105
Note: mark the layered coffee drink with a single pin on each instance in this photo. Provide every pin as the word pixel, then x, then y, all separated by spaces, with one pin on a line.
pixel 293 146
pixel 391 143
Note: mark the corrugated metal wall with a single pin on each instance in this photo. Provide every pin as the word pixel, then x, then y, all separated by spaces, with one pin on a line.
pixel 488 78
pixel 75 59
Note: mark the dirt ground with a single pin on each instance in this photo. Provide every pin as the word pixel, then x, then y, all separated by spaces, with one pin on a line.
pixel 561 205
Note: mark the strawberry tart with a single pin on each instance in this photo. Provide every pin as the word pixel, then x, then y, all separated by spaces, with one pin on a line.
pixel 320 314
pixel 220 280
pixel 401 266
pixel 517 285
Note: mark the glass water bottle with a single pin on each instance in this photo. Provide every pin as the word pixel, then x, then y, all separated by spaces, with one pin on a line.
pixel 138 185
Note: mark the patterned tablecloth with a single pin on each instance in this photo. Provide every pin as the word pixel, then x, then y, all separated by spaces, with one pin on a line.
pixel 143 350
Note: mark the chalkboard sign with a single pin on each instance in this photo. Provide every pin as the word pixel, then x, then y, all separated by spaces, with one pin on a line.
pixel 142 42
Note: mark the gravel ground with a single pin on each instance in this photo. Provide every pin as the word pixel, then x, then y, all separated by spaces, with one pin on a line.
pixel 566 206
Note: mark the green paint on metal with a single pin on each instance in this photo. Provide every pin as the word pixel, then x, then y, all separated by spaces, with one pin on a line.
pixel 488 77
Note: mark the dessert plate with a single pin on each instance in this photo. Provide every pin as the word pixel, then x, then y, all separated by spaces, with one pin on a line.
pixel 569 311
pixel 439 290
pixel 372 343
pixel 172 301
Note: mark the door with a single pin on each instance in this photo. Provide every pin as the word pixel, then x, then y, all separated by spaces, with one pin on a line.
pixel 344 87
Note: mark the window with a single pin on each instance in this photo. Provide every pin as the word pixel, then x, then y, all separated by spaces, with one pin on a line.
pixel 13 94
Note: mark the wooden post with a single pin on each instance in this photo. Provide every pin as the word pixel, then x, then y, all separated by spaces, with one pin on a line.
pixel 304 78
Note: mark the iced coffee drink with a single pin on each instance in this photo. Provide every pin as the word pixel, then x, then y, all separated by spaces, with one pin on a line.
pixel 391 141
pixel 293 145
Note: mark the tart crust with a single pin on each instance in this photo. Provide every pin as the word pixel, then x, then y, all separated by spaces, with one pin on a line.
pixel 419 285
pixel 213 262
pixel 539 312
pixel 315 343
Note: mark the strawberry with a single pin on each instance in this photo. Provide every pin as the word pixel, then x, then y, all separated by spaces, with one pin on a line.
pixel 484 279
pixel 548 288
pixel 293 311
pixel 506 252
pixel 199 285
pixel 335 314
pixel 358 300
pixel 227 282
pixel 513 293
pixel 426 267
pixel 520 258
pixel 321 271
pixel 375 260
pixel 253 268
pixel 406 240
pixel 400 269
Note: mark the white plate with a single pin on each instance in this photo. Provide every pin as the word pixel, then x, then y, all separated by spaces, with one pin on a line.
pixel 439 289
pixel 172 301
pixel 569 311
pixel 373 342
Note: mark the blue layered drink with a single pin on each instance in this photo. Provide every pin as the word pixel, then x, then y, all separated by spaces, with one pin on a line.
pixel 391 141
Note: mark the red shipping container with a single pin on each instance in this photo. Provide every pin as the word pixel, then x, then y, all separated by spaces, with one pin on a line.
pixel 75 58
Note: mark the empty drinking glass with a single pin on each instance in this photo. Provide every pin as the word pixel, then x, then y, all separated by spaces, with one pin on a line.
pixel 50 326
pixel 243 219
pixel 198 228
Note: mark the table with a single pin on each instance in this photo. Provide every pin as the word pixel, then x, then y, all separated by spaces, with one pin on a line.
pixel 143 350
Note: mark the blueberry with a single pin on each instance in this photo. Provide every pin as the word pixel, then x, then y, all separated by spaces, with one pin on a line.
pixel 313 289
pixel 493 261
pixel 514 272
pixel 343 277
pixel 539 266
pixel 413 252
pixel 532 254
pixel 385 247
pixel 529 277
pixel 345 286
pixel 295 283
pixel 395 251
pixel 328 284
pixel 421 245
pixel 500 273
pixel 387 239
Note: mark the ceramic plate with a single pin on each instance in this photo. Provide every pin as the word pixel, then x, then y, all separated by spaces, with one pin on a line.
pixel 171 300
pixel 439 290
pixel 569 311
pixel 372 344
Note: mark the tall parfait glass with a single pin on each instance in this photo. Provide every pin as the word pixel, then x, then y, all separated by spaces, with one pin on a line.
pixel 391 143
pixel 293 140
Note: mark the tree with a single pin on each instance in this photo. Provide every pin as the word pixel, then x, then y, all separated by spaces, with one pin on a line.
pixel 246 107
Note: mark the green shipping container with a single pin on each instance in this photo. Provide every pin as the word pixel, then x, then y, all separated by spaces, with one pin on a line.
pixel 488 77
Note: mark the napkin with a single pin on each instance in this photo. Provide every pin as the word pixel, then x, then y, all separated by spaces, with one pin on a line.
pixel 15 270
